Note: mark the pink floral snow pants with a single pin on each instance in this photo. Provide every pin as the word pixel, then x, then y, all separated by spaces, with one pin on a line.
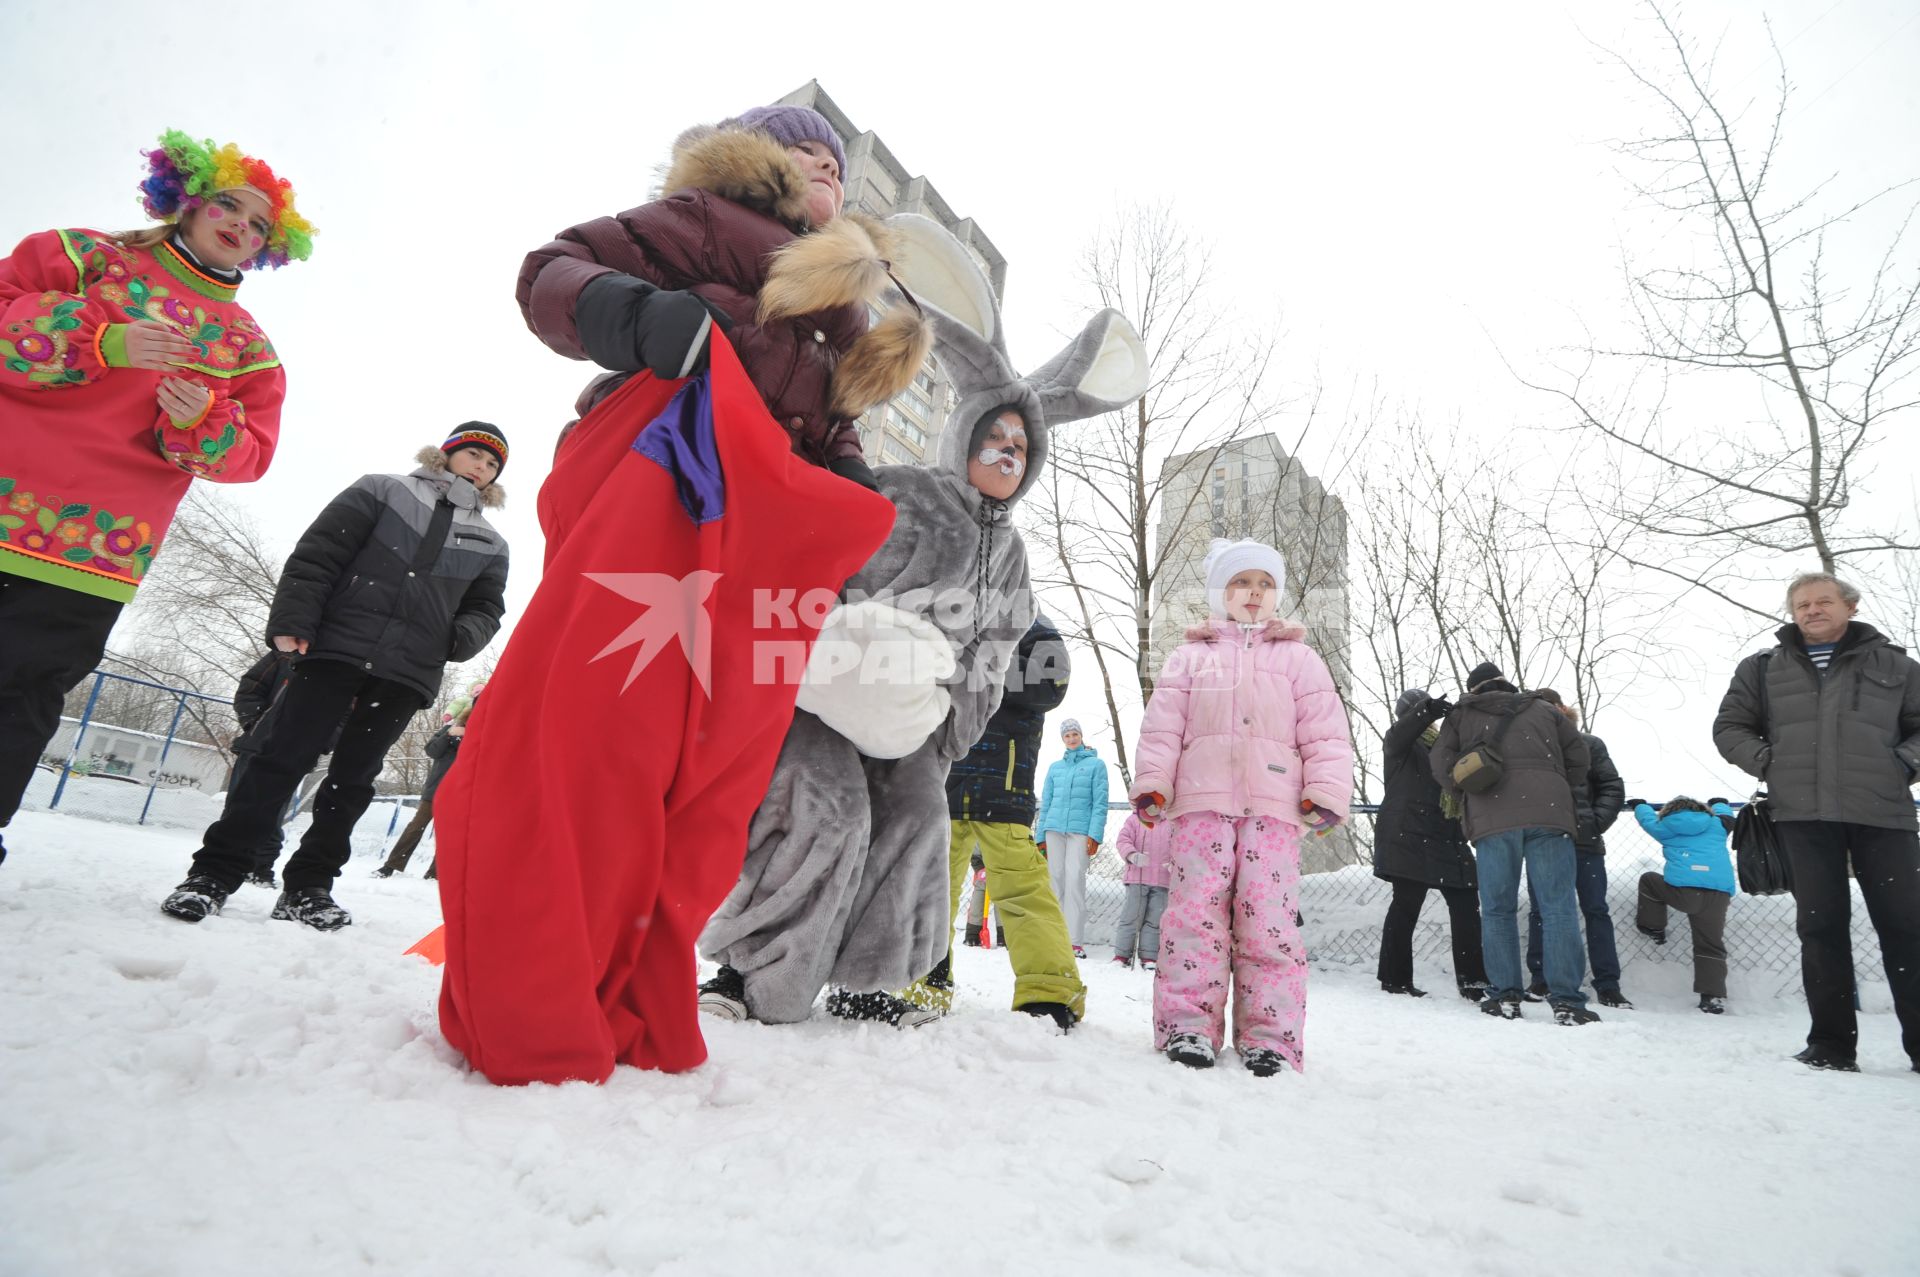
pixel 1230 913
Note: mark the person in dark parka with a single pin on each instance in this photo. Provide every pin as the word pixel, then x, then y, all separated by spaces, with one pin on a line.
pixel 399 575
pixel 1525 820
pixel 1418 846
pixel 443 747
pixel 1595 810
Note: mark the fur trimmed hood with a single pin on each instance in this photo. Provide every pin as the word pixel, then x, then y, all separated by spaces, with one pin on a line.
pixel 492 497
pixel 742 165
pixel 845 263
pixel 1217 630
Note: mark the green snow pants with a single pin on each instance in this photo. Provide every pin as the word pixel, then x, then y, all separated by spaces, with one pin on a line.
pixel 1044 969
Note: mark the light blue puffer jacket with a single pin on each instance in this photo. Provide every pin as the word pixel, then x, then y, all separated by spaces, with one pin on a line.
pixel 1695 843
pixel 1075 798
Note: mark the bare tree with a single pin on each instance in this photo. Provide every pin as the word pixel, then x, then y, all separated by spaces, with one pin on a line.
pixel 1455 565
pixel 202 613
pixel 1831 359
pixel 1101 520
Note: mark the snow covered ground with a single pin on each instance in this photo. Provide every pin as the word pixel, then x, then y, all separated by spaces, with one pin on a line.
pixel 250 1096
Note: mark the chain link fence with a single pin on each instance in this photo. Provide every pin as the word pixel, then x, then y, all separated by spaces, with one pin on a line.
pixel 1344 908
pixel 134 751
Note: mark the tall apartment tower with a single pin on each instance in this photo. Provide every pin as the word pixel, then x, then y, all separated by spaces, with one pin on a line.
pixel 877 184
pixel 1251 488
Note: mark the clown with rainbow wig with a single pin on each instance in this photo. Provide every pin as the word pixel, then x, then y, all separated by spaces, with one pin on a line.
pixel 127 369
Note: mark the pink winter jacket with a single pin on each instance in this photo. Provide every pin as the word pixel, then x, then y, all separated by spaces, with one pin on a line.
pixel 1151 846
pixel 1245 723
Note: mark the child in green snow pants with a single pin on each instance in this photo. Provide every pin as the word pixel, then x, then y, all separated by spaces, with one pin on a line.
pixel 1043 965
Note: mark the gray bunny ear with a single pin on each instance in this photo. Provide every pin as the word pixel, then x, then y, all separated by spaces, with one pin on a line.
pixel 1104 368
pixel 943 277
pixel 937 270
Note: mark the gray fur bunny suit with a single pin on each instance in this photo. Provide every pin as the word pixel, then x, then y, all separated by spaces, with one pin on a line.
pixel 846 879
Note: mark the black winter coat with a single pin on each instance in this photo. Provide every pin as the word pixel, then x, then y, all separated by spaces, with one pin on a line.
pixel 1413 839
pixel 1598 806
pixel 1844 747
pixel 442 747
pixel 994 782
pixel 258 686
pixel 257 692
pixel 399 575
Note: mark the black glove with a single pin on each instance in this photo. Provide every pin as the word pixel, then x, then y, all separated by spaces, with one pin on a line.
pixel 627 324
pixel 1439 707
pixel 1635 802
pixel 855 469
pixel 1715 802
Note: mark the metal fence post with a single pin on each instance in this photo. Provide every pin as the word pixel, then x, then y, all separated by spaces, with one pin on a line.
pixel 86 716
pixel 179 708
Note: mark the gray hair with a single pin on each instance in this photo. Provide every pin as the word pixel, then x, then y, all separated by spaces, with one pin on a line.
pixel 1849 594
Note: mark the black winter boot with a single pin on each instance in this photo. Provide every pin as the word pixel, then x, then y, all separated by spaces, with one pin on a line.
pixel 313 906
pixel 1059 1012
pixel 1191 1050
pixel 1712 1005
pixel 1475 990
pixel 1406 989
pixel 1615 998
pixel 1822 1057
pixel 1503 1008
pixel 725 995
pixel 1263 1061
pixel 1572 1014
pixel 194 899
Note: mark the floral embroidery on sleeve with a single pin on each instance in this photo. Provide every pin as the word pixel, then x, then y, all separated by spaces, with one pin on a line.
pixel 42 349
pixel 201 448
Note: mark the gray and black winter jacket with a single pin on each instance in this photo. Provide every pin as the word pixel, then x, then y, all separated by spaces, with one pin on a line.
pixel 1842 747
pixel 399 575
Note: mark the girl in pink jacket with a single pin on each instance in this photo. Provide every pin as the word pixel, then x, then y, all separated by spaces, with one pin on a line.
pixel 1144 852
pixel 1244 747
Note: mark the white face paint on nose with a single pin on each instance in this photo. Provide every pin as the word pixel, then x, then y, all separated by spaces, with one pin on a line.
pixel 1008 461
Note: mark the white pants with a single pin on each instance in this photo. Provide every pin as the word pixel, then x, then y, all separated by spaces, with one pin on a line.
pixel 1067 867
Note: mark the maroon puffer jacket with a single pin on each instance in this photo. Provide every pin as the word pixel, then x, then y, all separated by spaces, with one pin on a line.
pixel 798 300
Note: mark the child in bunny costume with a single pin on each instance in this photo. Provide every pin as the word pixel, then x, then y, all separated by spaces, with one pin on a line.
pixel 846 873
pixel 1244 744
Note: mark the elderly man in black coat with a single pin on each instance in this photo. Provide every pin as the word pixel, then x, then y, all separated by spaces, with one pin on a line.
pixel 1418 846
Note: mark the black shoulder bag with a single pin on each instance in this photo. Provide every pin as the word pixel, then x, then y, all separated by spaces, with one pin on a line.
pixel 1759 859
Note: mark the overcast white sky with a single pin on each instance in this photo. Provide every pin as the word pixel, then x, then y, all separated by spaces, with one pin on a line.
pixel 1401 185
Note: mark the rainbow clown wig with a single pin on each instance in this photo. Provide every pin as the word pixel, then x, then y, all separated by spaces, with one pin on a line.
pixel 185 173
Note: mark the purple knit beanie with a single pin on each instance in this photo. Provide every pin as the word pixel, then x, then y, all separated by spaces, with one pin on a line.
pixel 791 124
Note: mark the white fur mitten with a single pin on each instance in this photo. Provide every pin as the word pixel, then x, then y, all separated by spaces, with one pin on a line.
pixel 876 676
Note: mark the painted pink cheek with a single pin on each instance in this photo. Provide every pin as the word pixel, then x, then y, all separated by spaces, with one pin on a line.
pixel 254 240
pixel 214 212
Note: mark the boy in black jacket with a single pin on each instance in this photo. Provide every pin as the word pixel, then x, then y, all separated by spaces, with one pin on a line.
pixel 398 576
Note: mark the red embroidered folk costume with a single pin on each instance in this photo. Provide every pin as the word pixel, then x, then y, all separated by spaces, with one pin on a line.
pixel 79 507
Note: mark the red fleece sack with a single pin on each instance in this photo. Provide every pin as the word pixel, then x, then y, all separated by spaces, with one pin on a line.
pixel 598 815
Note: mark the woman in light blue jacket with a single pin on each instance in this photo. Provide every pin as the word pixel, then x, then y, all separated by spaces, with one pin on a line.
pixel 1071 825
